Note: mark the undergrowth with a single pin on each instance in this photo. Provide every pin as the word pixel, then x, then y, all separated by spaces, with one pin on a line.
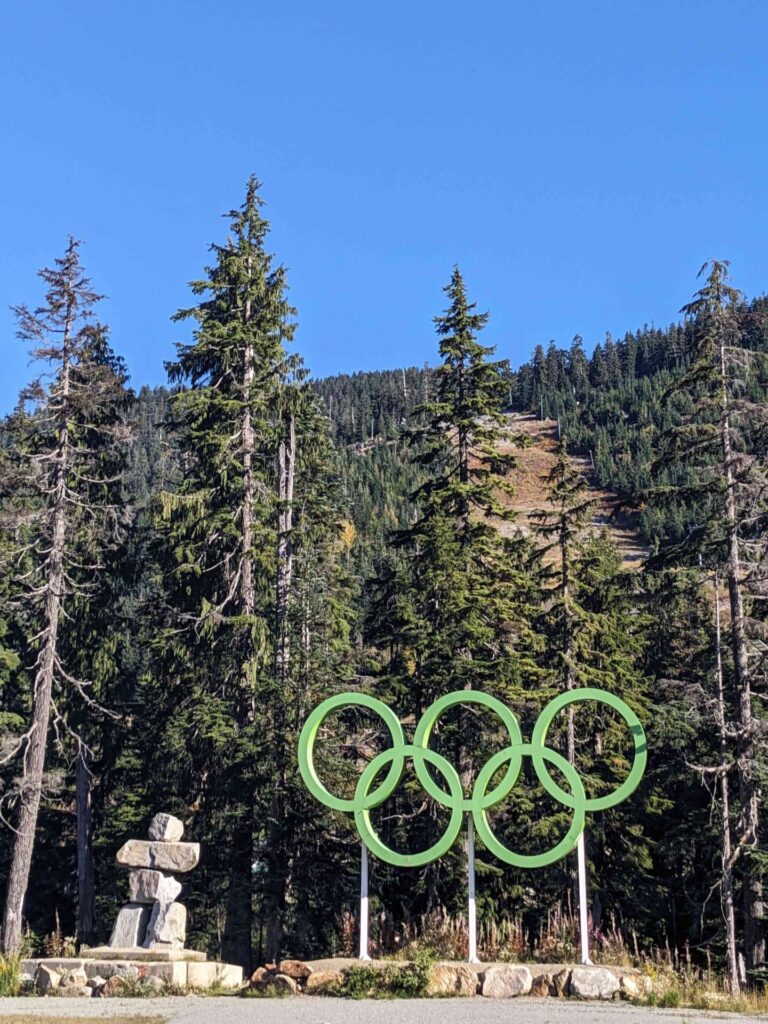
pixel 397 980
pixel 700 991
pixel 266 992
pixel 10 976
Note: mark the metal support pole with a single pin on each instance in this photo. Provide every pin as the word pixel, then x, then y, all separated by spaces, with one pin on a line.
pixel 472 909
pixel 583 908
pixel 364 902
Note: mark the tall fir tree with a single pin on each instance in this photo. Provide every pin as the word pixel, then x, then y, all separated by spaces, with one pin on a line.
pixel 454 608
pixel 255 448
pixel 222 523
pixel 594 637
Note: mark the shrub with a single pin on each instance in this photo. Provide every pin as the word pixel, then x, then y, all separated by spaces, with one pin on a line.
pixel 397 980
pixel 10 976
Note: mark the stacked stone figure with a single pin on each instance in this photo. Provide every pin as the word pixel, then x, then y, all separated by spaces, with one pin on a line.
pixel 153 919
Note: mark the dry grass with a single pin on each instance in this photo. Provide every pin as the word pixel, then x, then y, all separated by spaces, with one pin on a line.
pixel 678 981
pixel 35 1018
pixel 700 991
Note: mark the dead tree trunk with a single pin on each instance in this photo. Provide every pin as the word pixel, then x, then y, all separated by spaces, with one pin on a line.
pixel 725 820
pixel 754 940
pixel 86 912
pixel 286 474
pixel 37 742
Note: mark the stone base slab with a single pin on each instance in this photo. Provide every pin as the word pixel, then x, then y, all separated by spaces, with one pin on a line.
pixel 139 953
pixel 192 972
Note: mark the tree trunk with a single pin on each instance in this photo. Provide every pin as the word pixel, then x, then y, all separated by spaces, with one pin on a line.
pixel 34 756
pixel 286 472
pixel 754 941
pixel 86 912
pixel 238 925
pixel 236 941
pixel 279 888
pixel 570 682
pixel 727 855
pixel 247 583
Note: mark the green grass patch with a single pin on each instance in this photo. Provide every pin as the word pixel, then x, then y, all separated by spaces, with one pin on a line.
pixel 396 981
pixel 267 992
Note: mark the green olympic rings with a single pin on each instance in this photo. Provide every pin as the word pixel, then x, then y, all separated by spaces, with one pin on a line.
pixel 307 748
pixel 569 840
pixel 424 732
pixel 481 800
pixel 539 737
pixel 366 801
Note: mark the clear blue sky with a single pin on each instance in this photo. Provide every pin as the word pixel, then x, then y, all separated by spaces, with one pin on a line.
pixel 578 160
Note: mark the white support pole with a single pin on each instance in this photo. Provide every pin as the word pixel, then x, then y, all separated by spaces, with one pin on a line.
pixel 472 909
pixel 583 907
pixel 364 902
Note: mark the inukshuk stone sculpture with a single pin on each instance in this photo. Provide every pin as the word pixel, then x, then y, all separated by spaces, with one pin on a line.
pixel 153 919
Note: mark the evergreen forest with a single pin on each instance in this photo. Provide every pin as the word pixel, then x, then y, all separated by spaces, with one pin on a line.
pixel 188 570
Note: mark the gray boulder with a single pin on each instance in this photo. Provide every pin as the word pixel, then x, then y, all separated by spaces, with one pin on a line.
pixel 130 926
pixel 146 886
pixel 164 828
pixel 167 926
pixel 174 857
pixel 73 979
pixel 594 983
pixel 506 981
pixel 46 980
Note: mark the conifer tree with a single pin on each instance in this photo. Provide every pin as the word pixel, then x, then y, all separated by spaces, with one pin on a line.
pixel 594 634
pixel 258 480
pixel 720 478
pixel 562 525
pixel 58 506
pixel 223 521
pixel 454 608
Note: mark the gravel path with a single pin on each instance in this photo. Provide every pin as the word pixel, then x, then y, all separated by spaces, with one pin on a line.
pixel 316 1010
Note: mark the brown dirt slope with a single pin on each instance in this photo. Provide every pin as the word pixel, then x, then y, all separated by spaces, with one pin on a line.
pixel 529 480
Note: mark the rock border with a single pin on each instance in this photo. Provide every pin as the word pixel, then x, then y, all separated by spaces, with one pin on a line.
pixel 450 978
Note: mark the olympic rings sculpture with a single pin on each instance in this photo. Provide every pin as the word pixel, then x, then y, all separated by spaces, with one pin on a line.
pixel 368 795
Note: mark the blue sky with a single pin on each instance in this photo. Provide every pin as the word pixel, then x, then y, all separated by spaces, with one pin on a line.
pixel 578 160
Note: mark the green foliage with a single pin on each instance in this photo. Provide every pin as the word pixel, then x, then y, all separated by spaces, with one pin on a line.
pixel 407 980
pixel 269 991
pixel 10 976
pixel 410 577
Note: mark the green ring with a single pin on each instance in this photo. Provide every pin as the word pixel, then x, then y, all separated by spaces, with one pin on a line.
pixel 539 736
pixel 307 746
pixel 365 804
pixel 424 732
pixel 480 801
pixel 569 840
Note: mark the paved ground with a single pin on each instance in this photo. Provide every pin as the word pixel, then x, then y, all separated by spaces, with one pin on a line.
pixel 315 1010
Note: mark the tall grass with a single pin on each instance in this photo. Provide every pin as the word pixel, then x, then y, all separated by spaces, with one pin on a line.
pixel 10 976
pixel 677 979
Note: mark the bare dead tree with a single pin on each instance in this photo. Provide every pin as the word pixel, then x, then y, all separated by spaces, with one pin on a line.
pixel 728 856
pixel 721 435
pixel 58 519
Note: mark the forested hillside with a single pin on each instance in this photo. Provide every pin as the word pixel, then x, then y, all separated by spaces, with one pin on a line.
pixel 189 570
